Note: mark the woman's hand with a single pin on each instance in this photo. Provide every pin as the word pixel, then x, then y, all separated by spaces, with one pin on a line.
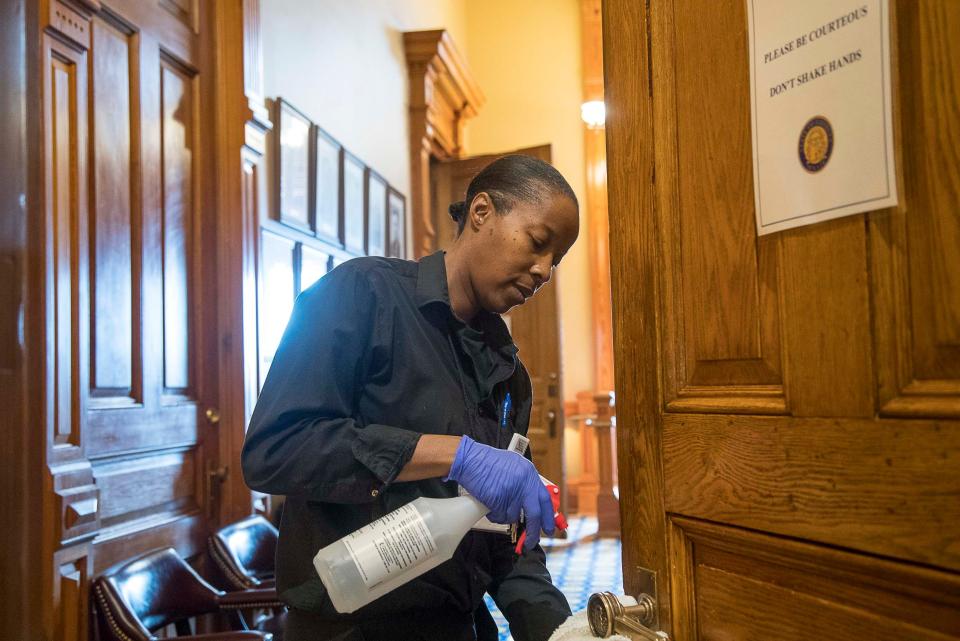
pixel 505 482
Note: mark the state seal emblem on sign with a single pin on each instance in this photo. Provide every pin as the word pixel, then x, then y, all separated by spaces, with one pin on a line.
pixel 816 144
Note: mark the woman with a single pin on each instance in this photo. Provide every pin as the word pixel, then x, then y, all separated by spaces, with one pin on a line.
pixel 391 382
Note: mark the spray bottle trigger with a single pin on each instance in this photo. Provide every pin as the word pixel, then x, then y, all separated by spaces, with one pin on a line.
pixel 559 520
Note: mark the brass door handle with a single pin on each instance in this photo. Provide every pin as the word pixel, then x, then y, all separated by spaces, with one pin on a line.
pixel 215 478
pixel 552 423
pixel 607 615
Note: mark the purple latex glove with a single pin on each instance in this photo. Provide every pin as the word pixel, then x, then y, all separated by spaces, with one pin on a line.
pixel 505 482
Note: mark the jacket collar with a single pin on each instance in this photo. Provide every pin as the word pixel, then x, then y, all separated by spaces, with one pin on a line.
pixel 432 290
pixel 432 281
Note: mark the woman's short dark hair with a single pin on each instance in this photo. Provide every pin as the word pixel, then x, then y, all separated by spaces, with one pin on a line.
pixel 510 180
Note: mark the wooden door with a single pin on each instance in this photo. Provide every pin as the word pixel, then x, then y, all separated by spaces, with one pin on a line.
pixel 789 444
pixel 535 325
pixel 126 272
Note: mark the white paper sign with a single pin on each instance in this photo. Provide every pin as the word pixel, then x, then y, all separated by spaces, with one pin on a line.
pixel 822 125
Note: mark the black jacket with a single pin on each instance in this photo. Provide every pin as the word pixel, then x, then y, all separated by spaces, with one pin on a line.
pixel 372 358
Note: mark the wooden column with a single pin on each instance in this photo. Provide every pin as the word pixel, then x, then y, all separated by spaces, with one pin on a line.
pixel 595 158
pixel 243 123
pixel 443 95
pixel 608 503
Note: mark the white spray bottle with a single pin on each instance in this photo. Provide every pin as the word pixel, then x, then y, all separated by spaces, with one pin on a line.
pixel 395 549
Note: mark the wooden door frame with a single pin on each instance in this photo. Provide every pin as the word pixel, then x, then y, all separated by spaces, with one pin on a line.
pixel 243 122
pixel 628 76
pixel 21 471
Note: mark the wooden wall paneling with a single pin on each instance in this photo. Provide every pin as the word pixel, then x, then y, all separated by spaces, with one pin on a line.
pixel 633 233
pixel 443 95
pixel 186 11
pixel 885 487
pixel 146 486
pixel 73 571
pixel 187 534
pixel 914 259
pixel 721 285
pixel 750 585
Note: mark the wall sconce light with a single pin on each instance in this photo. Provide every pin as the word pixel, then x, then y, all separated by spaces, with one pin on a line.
pixel 594 113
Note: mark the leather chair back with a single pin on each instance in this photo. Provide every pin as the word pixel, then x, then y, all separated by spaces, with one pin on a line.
pixel 245 552
pixel 152 591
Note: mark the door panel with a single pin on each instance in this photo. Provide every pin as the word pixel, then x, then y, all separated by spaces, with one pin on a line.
pixel 114 344
pixel 535 325
pixel 723 292
pixel 837 595
pixel 722 288
pixel 127 451
pixel 795 469
pixel 177 134
pixel 915 272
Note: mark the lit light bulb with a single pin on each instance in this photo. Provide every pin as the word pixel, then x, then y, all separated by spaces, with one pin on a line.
pixel 594 113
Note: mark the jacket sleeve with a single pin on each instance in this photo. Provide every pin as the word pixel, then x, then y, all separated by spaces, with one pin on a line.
pixel 533 606
pixel 302 438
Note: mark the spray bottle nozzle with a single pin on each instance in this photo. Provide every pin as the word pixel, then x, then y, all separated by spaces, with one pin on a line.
pixel 559 520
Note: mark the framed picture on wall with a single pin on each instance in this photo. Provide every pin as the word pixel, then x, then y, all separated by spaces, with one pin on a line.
pixel 353 203
pixel 376 214
pixel 329 166
pixel 396 224
pixel 293 166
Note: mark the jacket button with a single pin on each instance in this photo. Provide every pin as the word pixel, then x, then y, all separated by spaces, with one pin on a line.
pixel 374 492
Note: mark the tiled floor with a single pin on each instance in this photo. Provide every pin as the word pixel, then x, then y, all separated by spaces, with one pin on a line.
pixel 580 565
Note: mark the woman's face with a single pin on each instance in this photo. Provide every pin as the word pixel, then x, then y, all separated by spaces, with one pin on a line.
pixel 513 255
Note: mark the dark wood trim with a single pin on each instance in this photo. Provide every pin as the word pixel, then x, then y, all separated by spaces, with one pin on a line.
pixel 20 332
pixel 241 118
pixel 634 260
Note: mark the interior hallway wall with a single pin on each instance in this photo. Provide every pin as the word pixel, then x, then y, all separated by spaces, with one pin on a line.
pixel 526 58
pixel 343 64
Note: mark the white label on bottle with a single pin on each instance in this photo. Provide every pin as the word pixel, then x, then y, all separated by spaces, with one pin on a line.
pixel 390 545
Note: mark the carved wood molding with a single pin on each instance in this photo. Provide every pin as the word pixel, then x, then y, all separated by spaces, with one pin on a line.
pixel 443 95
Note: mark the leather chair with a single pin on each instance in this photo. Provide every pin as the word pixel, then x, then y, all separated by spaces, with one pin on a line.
pixel 245 553
pixel 140 596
